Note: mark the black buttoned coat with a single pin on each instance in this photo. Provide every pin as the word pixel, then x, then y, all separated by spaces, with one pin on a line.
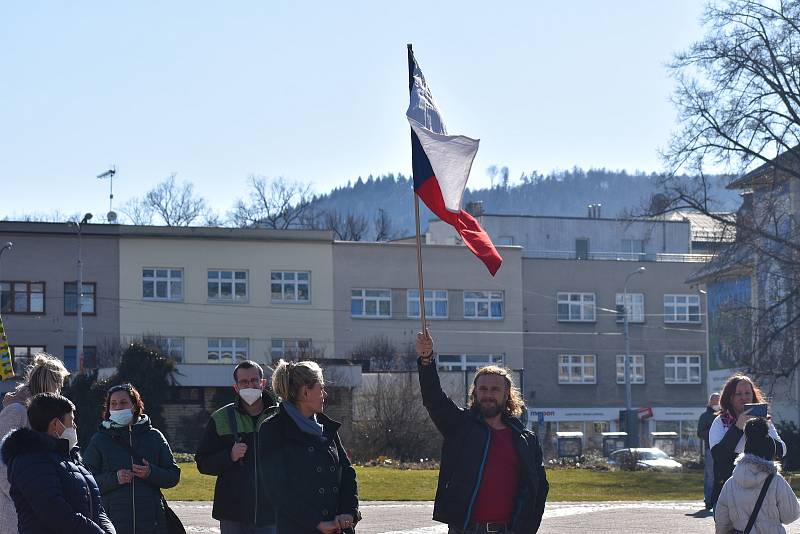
pixel 308 480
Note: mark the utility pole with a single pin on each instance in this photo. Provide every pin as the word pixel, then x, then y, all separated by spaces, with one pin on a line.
pixel 632 440
pixel 79 292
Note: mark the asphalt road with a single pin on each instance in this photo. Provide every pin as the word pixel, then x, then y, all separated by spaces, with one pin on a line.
pixel 395 517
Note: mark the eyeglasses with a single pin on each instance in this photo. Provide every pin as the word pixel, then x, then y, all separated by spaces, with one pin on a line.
pixel 252 382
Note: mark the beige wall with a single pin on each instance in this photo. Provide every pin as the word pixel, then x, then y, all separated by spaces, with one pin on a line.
pixel 394 266
pixel 196 319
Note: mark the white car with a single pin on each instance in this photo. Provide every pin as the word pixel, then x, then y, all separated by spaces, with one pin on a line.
pixel 646 458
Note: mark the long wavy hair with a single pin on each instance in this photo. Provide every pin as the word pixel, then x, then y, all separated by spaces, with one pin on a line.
pixel 725 398
pixel 514 404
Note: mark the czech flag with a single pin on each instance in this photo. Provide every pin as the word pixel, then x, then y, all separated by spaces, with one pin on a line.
pixel 441 165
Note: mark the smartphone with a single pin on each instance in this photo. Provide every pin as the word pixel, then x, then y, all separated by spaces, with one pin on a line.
pixel 759 410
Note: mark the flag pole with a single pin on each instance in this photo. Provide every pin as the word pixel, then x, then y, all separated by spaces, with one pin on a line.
pixel 416 212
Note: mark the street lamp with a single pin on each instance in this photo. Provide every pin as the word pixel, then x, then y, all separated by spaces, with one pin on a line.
pixel 8 246
pixel 632 438
pixel 79 291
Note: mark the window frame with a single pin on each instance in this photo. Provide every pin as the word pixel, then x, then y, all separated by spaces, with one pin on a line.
pixel 488 300
pixel 296 352
pixel 674 318
pixel 582 364
pixel 688 365
pixel 165 345
pixel 77 297
pixel 233 349
pixel 633 317
pixel 462 364
pixel 434 298
pixel 78 363
pixel 233 281
pixel 581 303
pixel 20 371
pixel 155 279
pixel 364 299
pixel 13 292
pixel 296 282
pixel 620 369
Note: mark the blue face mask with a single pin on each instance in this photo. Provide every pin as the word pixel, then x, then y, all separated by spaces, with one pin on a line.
pixel 121 417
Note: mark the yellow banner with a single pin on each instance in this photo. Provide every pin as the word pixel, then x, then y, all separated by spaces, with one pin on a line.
pixel 6 363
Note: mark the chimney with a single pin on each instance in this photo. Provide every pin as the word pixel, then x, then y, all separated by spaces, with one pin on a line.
pixel 475 208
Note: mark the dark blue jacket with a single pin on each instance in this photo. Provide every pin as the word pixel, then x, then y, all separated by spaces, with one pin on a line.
pixel 52 491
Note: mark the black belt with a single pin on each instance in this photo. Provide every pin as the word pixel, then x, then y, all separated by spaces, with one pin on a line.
pixel 487 527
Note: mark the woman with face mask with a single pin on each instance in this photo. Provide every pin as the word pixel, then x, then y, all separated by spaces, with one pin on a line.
pixel 45 374
pixel 132 462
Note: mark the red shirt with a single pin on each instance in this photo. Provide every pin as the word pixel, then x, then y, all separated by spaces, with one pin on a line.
pixel 498 491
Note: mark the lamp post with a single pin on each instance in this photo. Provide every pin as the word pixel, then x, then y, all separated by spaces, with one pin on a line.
pixel 79 292
pixel 8 246
pixel 633 440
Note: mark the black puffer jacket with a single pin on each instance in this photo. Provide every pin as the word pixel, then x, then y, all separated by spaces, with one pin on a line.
pixel 466 438
pixel 52 491
pixel 308 480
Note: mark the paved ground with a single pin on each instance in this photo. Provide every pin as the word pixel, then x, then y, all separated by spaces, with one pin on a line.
pixel 560 518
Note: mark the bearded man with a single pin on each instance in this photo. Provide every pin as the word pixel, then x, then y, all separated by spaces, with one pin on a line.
pixel 492 477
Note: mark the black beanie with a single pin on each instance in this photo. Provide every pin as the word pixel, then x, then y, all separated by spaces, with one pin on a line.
pixel 758 440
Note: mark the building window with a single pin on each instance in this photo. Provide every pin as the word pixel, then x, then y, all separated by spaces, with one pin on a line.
pixel 467 362
pixel 576 307
pixel 505 240
pixel 228 286
pixel 582 249
pixel 21 297
pixel 374 303
pixel 483 304
pixel 21 356
pixel 633 246
pixel 228 349
pixel 636 371
pixel 681 369
pixel 171 347
pixel 435 303
pixel 159 283
pixel 72 361
pixel 634 307
pixel 291 348
pixel 290 286
pixel 89 298
pixel 681 308
pixel 577 369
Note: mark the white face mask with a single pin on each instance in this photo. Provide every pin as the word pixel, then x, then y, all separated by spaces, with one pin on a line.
pixel 250 395
pixel 70 434
pixel 121 417
pixel 717 407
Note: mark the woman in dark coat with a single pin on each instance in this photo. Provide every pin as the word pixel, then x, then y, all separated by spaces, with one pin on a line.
pixel 131 480
pixel 309 477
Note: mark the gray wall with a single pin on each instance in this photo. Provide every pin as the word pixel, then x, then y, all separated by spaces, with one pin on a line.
pixel 546 338
pixel 394 266
pixel 47 252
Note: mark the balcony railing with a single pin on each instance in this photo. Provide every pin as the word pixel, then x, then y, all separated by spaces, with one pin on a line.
pixel 616 256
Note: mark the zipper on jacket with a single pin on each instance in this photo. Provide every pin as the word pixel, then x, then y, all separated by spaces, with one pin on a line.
pixel 255 472
pixel 89 496
pixel 480 477
pixel 133 481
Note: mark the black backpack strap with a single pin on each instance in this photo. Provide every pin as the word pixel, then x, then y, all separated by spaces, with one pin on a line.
pixel 232 422
pixel 757 507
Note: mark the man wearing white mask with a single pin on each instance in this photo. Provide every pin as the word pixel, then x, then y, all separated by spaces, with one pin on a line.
pixel 229 451
pixel 703 426
pixel 51 489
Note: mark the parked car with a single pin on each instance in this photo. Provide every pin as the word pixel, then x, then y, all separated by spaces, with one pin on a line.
pixel 644 458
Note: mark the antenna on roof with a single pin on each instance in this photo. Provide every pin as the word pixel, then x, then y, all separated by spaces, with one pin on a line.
pixel 110 175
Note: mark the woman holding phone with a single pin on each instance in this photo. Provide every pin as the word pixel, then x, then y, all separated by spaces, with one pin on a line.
pixel 726 435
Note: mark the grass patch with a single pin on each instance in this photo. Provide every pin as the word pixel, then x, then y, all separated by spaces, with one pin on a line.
pixel 387 484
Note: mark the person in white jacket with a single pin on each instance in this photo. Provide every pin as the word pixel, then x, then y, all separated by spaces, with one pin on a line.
pixel 46 374
pixel 726 435
pixel 739 494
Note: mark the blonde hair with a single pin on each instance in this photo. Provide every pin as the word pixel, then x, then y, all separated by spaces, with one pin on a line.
pixel 514 404
pixel 45 374
pixel 289 377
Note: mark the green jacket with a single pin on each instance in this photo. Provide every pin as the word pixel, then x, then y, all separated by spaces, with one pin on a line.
pixel 133 508
pixel 239 493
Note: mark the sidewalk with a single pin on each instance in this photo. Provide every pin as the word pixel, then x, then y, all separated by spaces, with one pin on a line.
pixel 658 517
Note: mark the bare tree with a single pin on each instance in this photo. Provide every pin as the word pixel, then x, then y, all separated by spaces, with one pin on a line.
pixel 176 204
pixel 138 211
pixel 738 98
pixel 279 204
pixel 53 216
pixel 378 350
pixel 383 226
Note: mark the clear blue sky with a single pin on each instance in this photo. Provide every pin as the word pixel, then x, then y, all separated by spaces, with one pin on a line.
pixel 217 91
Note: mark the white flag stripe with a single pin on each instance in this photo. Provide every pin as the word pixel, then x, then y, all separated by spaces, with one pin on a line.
pixel 451 158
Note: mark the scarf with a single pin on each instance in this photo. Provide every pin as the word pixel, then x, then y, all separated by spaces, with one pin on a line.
pixel 727 418
pixel 309 425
